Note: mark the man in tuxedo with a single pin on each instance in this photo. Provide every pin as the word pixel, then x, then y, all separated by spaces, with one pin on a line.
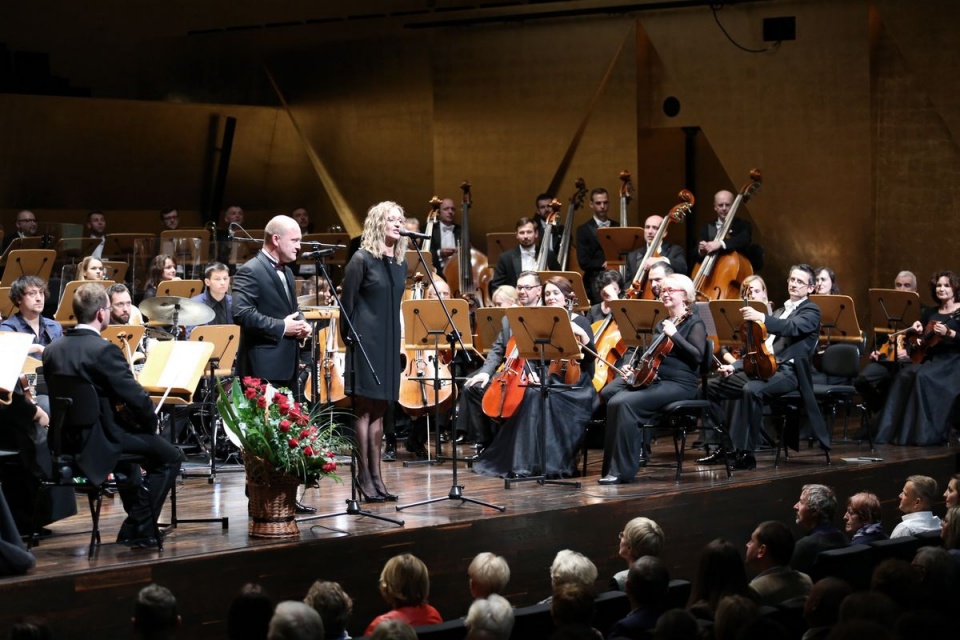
pixel 672 254
pixel 521 258
pixel 97 226
pixel 26 228
pixel 265 307
pixel 794 330
pixel 739 236
pixel 446 235
pixel 83 354
pixel 589 252
pixel 225 243
pixel 169 218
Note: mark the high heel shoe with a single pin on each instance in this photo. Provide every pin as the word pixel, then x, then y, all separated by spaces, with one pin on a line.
pixel 371 497
pixel 383 493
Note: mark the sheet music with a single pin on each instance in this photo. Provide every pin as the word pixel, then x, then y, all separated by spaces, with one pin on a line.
pixel 181 377
pixel 14 347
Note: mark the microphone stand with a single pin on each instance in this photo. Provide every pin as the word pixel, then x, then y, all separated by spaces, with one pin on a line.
pixel 353 343
pixel 453 338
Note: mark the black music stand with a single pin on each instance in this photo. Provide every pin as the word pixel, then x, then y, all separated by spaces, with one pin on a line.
pixel 542 334
pixel 353 344
pixel 897 309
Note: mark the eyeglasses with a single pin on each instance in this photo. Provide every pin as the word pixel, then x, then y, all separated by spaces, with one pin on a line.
pixel 620 535
pixel 527 287
pixel 804 283
pixel 670 290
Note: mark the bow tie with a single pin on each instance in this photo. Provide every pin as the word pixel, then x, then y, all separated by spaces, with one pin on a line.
pixel 276 265
pixel 603 225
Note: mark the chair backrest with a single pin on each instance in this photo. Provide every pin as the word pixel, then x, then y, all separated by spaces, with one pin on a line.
pixel 74 405
pixel 903 548
pixel 841 360
pixel 706 365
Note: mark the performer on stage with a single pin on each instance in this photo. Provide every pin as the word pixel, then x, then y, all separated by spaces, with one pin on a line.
pixel 826 282
pixel 162 269
pixel 90 268
pixel 610 285
pixel 919 407
pixel 515 451
pixel 29 294
pixel 737 239
pixel 373 286
pixel 589 252
pixel 628 407
pixel 672 254
pixel 82 353
pixel 446 235
pixel 521 258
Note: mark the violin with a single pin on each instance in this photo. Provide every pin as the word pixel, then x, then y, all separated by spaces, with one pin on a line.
pixel 919 345
pixel 639 288
pixel 718 277
pixel 418 388
pixel 647 366
pixel 505 391
pixel 758 361
pixel 576 201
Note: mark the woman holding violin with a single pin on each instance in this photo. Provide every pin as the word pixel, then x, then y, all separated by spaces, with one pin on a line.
pixel 919 406
pixel 514 451
pixel 629 406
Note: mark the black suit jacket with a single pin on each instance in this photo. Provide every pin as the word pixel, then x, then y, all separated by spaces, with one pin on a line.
pixel 673 252
pixel 510 265
pixel 737 239
pixel 435 243
pixel 589 252
pixel 84 354
pixel 260 303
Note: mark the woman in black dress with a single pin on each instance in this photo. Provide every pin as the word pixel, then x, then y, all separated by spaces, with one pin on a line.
pixel 628 408
pixel 920 403
pixel 373 284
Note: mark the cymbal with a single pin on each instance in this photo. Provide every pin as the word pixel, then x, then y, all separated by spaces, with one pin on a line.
pixel 188 312
pixel 157 333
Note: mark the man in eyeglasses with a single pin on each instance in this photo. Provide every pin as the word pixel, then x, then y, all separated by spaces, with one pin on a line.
pixel 793 331
pixel 26 228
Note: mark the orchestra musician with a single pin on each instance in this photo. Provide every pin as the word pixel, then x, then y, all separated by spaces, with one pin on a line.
pixel 625 449
pixel 515 450
pixel 543 211
pixel 523 257
pixel 796 327
pixel 610 285
pixel 589 252
pixel 656 275
pixel 216 281
pixel 373 287
pixel 90 268
pixel 162 269
pixel 752 288
pixel 446 235
pixel 82 353
pixel 29 293
pixel 739 236
pixel 26 228
pixel 672 254
pixel 919 407
pixel 826 282
pixel 505 296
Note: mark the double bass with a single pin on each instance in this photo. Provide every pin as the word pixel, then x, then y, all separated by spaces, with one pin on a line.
pixel 639 288
pixel 576 201
pixel 432 219
pixel 419 390
pixel 467 271
pixel 718 277
pixel 626 194
pixel 549 227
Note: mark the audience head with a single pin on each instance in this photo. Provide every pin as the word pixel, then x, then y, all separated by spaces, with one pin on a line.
pixel 90 304
pixel 826 282
pixel 770 545
pixel 572 567
pixel 249 615
pixel 333 604
pixel 950 528
pixel 640 537
pixel 493 615
pixel 898 579
pixel 822 608
pixel 950 496
pixel 90 268
pixel 918 494
pixel 862 509
pixel 733 614
pixel 647 581
pixel 938 574
pixel 294 620
pixel 816 506
pixel 869 605
pixel 572 603
pixel 505 296
pixel 720 573
pixel 155 612
pixel 393 630
pixel 676 624
pixel 405 581
pixel 489 574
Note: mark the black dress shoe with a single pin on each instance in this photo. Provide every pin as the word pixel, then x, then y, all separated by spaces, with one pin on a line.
pixel 607 480
pixel 138 538
pixel 417 449
pixel 744 461
pixel 389 454
pixel 714 458
pixel 303 509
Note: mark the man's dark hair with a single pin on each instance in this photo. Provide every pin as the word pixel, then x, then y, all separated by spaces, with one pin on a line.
pixel 778 540
pixel 119 287
pixel 155 612
pixel 249 615
pixel 648 580
pixel 526 220
pixel 542 196
pixel 93 213
pixel 807 269
pixel 18 288
pixel 597 191
pixel 213 267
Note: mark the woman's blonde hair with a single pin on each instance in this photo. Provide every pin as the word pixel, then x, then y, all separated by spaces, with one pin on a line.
pixel 405 581
pixel 85 264
pixel 374 231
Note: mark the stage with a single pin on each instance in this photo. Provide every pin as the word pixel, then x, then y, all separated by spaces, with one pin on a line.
pixel 205 565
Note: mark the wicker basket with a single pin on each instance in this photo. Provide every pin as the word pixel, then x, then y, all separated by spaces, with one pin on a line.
pixel 272 501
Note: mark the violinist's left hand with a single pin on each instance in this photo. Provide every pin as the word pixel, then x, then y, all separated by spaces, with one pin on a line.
pixel 751 314
pixel 941 329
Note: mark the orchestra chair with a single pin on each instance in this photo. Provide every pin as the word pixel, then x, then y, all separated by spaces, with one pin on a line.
pixel 841 360
pixel 75 408
pixel 683 416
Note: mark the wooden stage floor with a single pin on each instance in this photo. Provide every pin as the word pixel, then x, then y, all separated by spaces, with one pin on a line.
pixel 205 565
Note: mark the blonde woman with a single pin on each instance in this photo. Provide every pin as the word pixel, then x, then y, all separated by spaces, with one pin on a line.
pixel 90 268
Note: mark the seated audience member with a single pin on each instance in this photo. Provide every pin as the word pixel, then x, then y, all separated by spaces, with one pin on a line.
pixel 916 503
pixel 647 583
pixel 640 537
pixel 869 605
pixel 572 567
pixel 815 510
pixel 334 606
pixel 31 628
pixel 821 611
pixel 950 532
pixel 573 604
pixel 90 268
pixel 162 269
pixel 29 293
pixel 489 574
pixel 505 296
pixel 249 615
pixel 862 518
pixel 950 496
pixel 492 615
pixel 899 580
pixel 405 585
pixel 294 620
pixel 720 573
pixel 393 630
pixel 769 552
pixel 676 624
pixel 733 614
pixel 938 577
pixel 155 614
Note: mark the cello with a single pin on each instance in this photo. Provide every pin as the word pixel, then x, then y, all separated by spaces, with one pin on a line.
pixel 576 201
pixel 639 288
pixel 505 391
pixel 610 348
pixel 718 277
pixel 468 274
pixel 330 369
pixel 419 392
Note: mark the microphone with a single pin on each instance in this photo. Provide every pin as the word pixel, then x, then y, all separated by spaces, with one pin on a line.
pixel 414 234
pixel 319 253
